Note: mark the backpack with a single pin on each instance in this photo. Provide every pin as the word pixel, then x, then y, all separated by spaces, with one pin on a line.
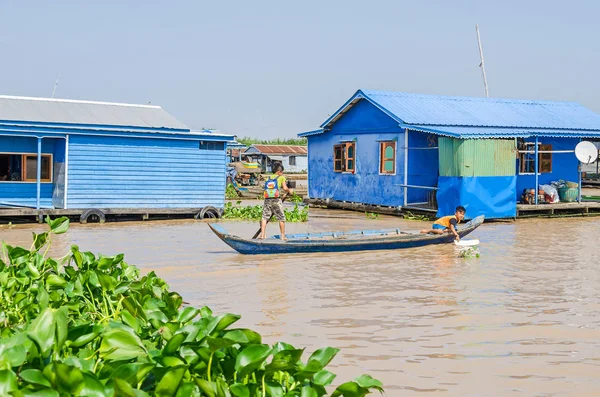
pixel 272 188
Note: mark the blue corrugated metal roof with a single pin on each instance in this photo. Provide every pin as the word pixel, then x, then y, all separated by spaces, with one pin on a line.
pixel 491 132
pixel 492 116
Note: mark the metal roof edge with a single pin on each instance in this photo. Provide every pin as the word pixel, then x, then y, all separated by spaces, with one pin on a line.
pixel 311 133
pixel 107 127
pixel 25 98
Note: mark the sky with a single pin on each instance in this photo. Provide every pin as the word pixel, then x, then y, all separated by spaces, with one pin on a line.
pixel 271 69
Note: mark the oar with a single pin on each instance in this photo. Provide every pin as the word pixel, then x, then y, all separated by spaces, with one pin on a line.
pixel 259 229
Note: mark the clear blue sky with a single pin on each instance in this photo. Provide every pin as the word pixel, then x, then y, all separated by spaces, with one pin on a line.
pixel 277 68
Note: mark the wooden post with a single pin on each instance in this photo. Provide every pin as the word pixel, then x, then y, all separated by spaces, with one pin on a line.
pixel 39 173
pixel 537 174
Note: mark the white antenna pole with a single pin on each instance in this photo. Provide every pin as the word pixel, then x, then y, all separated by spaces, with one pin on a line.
pixel 482 65
pixel 55 84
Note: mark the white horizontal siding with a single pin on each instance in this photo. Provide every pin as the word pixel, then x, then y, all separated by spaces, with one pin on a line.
pixel 108 172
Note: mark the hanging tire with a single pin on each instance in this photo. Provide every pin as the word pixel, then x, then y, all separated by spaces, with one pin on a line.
pixel 92 215
pixel 208 212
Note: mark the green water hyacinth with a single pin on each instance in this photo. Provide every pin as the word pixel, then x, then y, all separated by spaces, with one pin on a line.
pixel 86 325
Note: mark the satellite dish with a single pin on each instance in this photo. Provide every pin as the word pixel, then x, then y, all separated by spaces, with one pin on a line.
pixel 586 152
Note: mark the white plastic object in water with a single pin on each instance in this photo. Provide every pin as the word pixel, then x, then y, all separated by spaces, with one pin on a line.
pixel 586 152
pixel 466 243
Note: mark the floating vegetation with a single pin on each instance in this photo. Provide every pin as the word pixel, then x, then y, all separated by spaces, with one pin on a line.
pixel 371 215
pixel 86 325
pixel 254 212
pixel 415 217
pixel 230 192
pixel 468 252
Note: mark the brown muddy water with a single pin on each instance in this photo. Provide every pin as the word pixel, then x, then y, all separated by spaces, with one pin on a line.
pixel 523 319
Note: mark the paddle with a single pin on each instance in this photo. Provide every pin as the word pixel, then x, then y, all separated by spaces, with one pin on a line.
pixel 259 229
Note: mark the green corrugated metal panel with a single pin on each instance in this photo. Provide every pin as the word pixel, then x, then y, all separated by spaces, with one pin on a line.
pixel 477 157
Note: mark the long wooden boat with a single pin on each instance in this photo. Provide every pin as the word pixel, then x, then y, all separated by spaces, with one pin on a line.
pixel 358 240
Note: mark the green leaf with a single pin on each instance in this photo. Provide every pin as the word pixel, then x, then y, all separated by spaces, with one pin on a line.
pixel 323 356
pixel 92 387
pixel 59 225
pixel 131 321
pixel 105 263
pixel 186 389
pixel 251 358
pixel 35 377
pixel 69 379
pixel 14 355
pixel 308 391
pixel 39 240
pixel 18 255
pixel 208 388
pixel 121 344
pixel 274 389
pixel 205 312
pixel 62 328
pixel 285 360
pixel 42 331
pixel 41 393
pixel 221 322
pixel 218 343
pixel 132 373
pixel 323 378
pixel 174 343
pixel 123 389
pixel 33 270
pixel 239 390
pixel 243 336
pixel 187 314
pixel 350 389
pixel 55 282
pixel 369 382
pixel 168 385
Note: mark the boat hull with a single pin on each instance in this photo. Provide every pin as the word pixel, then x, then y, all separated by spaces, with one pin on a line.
pixel 306 245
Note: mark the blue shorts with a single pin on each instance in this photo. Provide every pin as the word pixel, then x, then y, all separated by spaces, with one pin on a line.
pixel 437 226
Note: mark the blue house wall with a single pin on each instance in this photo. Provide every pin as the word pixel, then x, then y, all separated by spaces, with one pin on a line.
pixel 25 193
pixel 564 165
pixel 113 172
pixel 367 126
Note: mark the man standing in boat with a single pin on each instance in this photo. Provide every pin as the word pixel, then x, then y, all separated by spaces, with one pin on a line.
pixel 448 224
pixel 273 204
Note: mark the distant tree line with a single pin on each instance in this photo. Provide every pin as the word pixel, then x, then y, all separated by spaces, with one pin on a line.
pixel 279 141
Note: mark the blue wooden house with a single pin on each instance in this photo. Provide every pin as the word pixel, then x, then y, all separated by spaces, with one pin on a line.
pixel 67 154
pixel 436 152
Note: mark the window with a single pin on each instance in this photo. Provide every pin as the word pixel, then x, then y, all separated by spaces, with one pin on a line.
pixel 387 158
pixel 527 159
pixel 292 160
pixel 23 167
pixel 204 145
pixel 344 157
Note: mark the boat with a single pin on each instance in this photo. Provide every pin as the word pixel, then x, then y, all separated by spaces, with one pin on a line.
pixel 357 240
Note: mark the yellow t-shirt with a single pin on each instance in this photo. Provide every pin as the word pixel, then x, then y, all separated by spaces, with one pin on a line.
pixel 280 181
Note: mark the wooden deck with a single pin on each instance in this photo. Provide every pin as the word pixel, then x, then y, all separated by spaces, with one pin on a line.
pixel 559 209
pixel 24 215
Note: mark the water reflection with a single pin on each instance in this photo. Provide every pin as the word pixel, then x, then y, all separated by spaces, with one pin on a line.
pixel 522 319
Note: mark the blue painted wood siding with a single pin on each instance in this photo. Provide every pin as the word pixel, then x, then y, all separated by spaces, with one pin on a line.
pixel 25 193
pixel 112 172
pixel 367 126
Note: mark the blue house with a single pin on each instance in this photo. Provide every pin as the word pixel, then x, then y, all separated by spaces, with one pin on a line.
pixel 435 152
pixel 67 154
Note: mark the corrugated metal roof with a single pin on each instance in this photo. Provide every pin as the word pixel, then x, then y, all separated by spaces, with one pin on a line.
pixel 281 149
pixel 488 132
pixel 61 111
pixel 492 116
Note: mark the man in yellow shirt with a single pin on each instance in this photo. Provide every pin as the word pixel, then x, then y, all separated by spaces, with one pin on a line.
pixel 273 205
pixel 448 224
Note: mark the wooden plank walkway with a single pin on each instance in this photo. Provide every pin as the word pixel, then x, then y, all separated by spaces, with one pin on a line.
pixel 31 214
pixel 559 209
